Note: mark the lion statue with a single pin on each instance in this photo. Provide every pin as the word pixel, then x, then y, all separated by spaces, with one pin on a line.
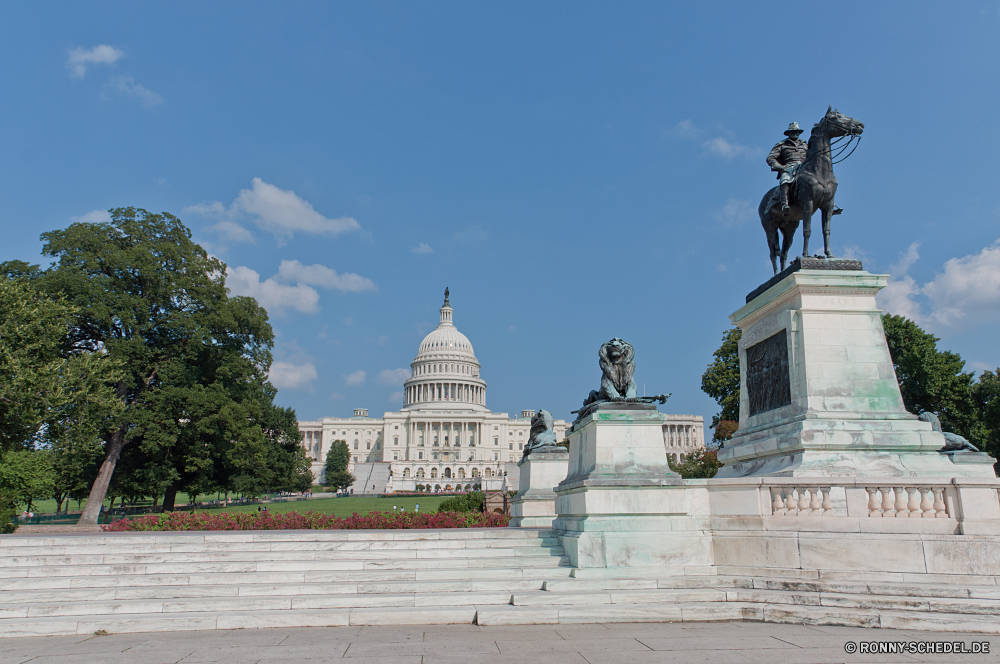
pixel 541 432
pixel 952 441
pixel 617 360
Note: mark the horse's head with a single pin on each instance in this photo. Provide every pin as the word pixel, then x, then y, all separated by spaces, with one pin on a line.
pixel 835 123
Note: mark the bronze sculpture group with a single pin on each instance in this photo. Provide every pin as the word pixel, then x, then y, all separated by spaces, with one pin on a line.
pixel 806 183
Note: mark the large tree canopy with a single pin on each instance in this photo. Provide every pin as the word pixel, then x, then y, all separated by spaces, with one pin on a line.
pixel 721 381
pixel 197 410
pixel 930 379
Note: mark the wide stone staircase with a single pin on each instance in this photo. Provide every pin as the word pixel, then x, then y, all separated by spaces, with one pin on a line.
pixel 140 582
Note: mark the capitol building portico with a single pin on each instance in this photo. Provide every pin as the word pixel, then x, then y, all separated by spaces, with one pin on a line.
pixel 444 436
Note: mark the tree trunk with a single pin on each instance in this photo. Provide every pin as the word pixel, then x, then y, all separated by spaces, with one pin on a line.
pixel 100 488
pixel 169 497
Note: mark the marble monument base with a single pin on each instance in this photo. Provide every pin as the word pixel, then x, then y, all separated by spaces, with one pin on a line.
pixel 620 504
pixel 534 506
pixel 820 394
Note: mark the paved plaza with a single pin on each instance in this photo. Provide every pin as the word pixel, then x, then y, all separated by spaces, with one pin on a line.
pixel 744 642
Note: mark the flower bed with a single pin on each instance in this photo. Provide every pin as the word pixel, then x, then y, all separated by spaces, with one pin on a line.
pixel 308 521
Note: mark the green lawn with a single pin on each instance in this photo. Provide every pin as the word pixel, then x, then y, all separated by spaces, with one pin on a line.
pixel 336 506
pixel 345 506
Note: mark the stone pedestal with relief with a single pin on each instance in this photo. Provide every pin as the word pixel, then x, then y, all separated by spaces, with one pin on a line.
pixel 534 506
pixel 621 505
pixel 820 396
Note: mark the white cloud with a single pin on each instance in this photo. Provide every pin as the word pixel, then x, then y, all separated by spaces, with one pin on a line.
pixel 356 378
pixel 324 277
pixel 854 252
pixel 290 376
pixel 968 289
pixel 965 293
pixel 422 248
pixel 94 217
pixel 396 397
pixel 393 376
pixel 686 129
pixel 719 146
pixel 233 232
pixel 727 149
pixel 127 87
pixel 336 396
pixel 270 294
pixel 282 212
pixel 897 297
pixel 275 210
pixel 736 212
pixel 212 209
pixel 79 58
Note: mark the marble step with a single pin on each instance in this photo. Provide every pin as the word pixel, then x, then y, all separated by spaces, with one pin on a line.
pixel 163 592
pixel 236 538
pixel 627 596
pixel 130 623
pixel 884 588
pixel 260 603
pixel 613 583
pixel 283 566
pixel 257 547
pixel 232 578
pixel 276 556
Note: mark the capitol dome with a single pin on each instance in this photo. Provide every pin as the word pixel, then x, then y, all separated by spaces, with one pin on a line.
pixel 445 371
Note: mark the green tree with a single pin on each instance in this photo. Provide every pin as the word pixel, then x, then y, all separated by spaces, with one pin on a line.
pixel 930 379
pixel 986 399
pixel 335 469
pixel 197 409
pixel 337 458
pixel 47 384
pixel 701 463
pixel 27 476
pixel 721 381
pixel 143 289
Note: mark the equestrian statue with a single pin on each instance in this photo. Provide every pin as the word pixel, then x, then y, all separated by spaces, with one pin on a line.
pixel 805 184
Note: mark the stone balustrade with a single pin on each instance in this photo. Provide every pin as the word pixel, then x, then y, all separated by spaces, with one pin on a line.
pixel 885 499
pixel 930 505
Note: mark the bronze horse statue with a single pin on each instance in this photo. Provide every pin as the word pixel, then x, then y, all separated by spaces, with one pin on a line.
pixel 813 189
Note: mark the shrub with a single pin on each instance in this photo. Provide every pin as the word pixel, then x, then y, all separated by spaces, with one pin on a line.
pixel 308 521
pixel 8 508
pixel 470 502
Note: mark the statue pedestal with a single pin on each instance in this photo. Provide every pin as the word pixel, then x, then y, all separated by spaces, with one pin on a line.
pixel 534 506
pixel 620 504
pixel 820 397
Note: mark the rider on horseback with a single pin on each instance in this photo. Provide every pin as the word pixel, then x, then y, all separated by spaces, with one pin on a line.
pixel 785 157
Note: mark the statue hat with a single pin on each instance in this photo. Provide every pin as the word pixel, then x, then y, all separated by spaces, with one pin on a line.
pixel 792 128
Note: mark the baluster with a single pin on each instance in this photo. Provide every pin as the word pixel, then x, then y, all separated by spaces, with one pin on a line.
pixel 886 501
pixel 827 502
pixel 926 502
pixel 789 501
pixel 914 504
pixel 940 508
pixel 814 505
pixel 777 504
pixel 872 501
pixel 899 493
pixel 803 500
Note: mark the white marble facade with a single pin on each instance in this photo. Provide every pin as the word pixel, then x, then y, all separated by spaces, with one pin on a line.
pixel 444 435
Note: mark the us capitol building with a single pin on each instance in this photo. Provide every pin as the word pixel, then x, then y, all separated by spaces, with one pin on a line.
pixel 444 436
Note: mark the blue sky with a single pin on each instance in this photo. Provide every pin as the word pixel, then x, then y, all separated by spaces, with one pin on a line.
pixel 573 171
